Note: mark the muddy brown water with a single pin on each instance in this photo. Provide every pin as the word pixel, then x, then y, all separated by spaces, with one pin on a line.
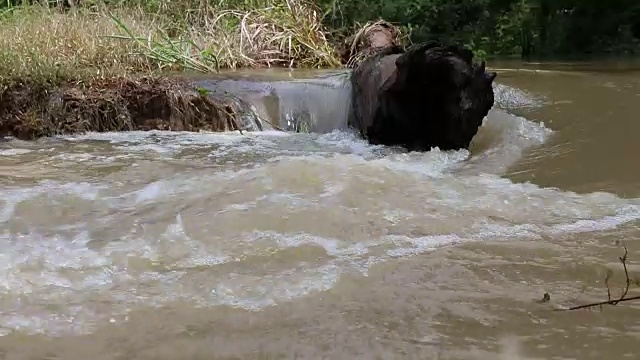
pixel 319 246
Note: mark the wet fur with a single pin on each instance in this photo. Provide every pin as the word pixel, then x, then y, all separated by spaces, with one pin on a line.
pixel 429 96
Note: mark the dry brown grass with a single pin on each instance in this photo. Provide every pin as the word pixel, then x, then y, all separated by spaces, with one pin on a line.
pixel 36 41
pixel 283 33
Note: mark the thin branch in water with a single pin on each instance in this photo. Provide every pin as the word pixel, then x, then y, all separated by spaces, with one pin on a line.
pixel 623 260
pixel 606 283
pixel 601 303
pixel 623 297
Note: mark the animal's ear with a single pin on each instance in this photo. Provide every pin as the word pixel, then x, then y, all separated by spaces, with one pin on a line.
pixel 415 51
pixel 466 55
pixel 479 70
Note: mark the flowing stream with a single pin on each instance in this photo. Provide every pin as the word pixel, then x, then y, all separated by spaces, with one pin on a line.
pixel 158 245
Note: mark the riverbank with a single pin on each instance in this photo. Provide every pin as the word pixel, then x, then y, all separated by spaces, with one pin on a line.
pixel 106 68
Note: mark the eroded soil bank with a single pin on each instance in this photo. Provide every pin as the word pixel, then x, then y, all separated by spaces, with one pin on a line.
pixel 30 110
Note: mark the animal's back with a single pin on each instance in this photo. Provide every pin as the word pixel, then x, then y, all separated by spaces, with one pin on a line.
pixel 366 81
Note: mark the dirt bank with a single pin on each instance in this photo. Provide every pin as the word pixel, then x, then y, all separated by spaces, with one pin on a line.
pixel 29 110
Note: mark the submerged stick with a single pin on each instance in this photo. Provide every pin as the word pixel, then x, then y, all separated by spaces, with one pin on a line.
pixel 623 297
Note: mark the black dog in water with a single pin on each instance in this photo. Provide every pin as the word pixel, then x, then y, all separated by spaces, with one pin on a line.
pixel 429 96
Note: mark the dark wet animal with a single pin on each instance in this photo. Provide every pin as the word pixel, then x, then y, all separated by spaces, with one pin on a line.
pixel 428 96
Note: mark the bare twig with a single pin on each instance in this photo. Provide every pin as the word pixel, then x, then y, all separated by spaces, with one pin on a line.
pixel 623 297
pixel 623 260
pixel 608 302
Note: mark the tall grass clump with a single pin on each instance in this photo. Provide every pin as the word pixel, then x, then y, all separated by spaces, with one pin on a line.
pixel 39 42
pixel 126 37
pixel 233 34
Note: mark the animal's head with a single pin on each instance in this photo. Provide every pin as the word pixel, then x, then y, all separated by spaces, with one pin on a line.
pixel 454 93
pixel 476 98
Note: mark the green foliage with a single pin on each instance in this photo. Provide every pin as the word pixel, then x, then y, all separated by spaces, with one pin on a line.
pixel 503 27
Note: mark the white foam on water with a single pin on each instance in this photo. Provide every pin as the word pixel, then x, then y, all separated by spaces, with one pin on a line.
pixel 509 97
pixel 136 137
pixel 288 225
pixel 502 141
pixel 14 152
pixel 50 269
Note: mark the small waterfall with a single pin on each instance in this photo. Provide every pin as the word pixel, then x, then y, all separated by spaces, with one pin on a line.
pixel 319 104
